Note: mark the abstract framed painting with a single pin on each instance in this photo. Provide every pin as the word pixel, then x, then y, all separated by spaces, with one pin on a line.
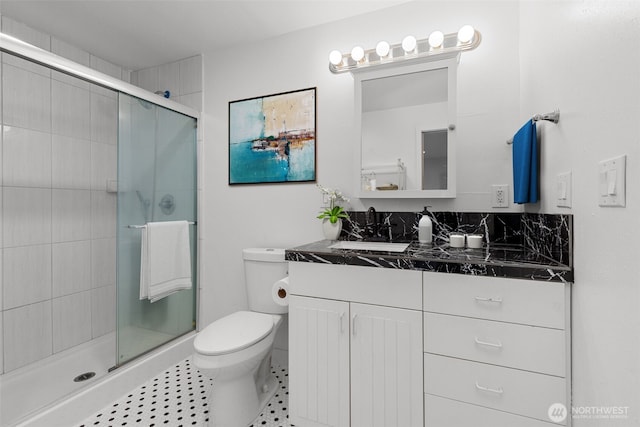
pixel 272 139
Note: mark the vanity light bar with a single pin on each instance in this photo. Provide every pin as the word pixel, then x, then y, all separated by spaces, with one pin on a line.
pixel 436 46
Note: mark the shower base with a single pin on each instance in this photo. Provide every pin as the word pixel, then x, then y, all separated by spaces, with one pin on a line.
pixel 32 387
pixel 28 392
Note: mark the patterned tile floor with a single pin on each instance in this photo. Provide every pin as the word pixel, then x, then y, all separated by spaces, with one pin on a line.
pixel 178 397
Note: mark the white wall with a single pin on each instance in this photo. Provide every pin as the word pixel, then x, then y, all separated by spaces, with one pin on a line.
pixel 284 215
pixel 584 57
pixel 534 57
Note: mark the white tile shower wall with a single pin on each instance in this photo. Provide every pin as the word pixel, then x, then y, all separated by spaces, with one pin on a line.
pixel 27 334
pixel 191 75
pixel 169 77
pixel 57 228
pixel 70 110
pixel 71 267
pixel 103 314
pixel 71 215
pixel 104 119
pixel 71 320
pixel 26 216
pixel 70 163
pixel 26 155
pixel 28 270
pixel 182 78
pixel 103 165
pixel 103 262
pixel 26 98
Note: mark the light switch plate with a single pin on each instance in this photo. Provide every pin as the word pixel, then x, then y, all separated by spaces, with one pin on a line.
pixel 563 190
pixel 612 182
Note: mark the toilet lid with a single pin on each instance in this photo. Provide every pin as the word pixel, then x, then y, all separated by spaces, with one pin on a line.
pixel 234 332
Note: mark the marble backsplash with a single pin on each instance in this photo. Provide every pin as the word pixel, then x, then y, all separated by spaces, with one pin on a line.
pixel 550 235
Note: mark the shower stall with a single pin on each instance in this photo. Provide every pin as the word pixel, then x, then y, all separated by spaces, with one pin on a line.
pixel 85 161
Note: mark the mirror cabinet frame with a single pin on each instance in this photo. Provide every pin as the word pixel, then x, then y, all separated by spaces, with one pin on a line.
pixel 451 65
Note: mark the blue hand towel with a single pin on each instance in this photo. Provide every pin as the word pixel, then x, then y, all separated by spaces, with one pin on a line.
pixel 525 164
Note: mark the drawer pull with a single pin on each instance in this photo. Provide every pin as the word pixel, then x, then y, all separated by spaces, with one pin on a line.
pixel 497 300
pixel 490 390
pixel 342 322
pixel 489 344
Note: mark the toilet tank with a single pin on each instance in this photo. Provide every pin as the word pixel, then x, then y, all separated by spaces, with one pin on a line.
pixel 262 268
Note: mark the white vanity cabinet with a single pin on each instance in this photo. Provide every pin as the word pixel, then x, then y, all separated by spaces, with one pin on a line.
pixel 497 351
pixel 355 346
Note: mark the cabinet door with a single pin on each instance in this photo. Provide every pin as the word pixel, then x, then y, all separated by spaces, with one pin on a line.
pixel 318 362
pixel 386 367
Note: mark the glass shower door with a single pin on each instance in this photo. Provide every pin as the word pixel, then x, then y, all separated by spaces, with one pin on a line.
pixel 156 182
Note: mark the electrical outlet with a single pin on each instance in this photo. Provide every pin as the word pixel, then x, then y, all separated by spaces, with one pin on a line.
pixel 500 196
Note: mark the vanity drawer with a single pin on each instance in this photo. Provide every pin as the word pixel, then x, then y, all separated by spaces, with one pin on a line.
pixel 441 412
pixel 507 344
pixel 368 285
pixel 511 300
pixel 505 389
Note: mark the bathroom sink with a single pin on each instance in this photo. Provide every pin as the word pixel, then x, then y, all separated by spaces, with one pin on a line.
pixel 370 246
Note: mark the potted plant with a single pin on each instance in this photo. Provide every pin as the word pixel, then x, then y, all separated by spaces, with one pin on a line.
pixel 333 213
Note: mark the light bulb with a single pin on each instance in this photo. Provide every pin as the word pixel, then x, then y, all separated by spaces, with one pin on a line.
pixel 409 44
pixel 435 39
pixel 357 53
pixel 466 34
pixel 335 57
pixel 382 49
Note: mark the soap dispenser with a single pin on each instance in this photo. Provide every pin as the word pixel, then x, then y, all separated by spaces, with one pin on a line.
pixel 425 228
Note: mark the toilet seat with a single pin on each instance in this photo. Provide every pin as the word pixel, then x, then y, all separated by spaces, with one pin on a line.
pixel 234 332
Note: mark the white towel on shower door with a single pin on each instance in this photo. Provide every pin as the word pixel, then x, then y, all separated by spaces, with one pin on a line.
pixel 165 259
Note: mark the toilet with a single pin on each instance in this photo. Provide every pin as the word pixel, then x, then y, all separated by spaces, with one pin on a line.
pixel 235 351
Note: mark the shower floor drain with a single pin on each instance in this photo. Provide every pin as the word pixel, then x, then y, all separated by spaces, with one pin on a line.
pixel 84 377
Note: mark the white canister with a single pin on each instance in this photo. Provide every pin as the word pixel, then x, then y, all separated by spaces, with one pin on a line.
pixel 474 241
pixel 456 240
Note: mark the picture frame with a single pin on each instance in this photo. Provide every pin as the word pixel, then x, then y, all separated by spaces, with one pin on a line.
pixel 272 138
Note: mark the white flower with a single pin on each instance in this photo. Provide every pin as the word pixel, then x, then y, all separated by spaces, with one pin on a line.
pixel 334 211
pixel 333 196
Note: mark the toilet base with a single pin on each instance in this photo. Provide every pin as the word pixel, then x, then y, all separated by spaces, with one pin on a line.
pixel 225 411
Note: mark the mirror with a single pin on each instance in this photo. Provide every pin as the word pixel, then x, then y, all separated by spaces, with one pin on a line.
pixel 432 162
pixel 405 116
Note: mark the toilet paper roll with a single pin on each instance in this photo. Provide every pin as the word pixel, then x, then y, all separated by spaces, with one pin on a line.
pixel 280 291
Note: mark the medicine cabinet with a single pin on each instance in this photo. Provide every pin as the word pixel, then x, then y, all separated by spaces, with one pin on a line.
pixel 406 121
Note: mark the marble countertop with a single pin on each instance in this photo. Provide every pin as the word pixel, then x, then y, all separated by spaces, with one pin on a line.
pixel 493 260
